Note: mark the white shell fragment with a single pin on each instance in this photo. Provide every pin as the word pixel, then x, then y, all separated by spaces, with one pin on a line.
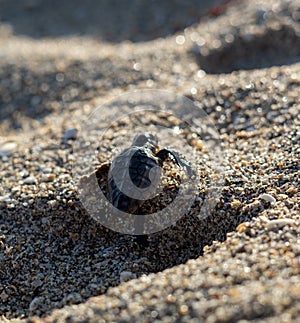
pixel 279 223
pixel 268 198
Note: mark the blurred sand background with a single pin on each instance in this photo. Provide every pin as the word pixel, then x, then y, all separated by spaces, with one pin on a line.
pixel 111 21
pixel 59 60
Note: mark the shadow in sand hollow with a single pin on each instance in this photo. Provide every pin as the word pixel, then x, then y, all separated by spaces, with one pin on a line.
pixel 272 48
pixel 33 93
pixel 109 20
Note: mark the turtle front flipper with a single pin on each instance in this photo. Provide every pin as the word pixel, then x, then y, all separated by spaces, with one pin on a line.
pixel 177 159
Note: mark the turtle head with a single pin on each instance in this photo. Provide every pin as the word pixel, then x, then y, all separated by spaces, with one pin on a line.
pixel 147 140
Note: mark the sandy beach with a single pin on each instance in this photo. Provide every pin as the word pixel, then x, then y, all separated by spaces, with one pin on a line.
pixel 240 64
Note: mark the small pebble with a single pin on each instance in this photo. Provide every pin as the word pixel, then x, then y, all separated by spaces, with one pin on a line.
pixel 30 180
pixel 126 276
pixel 70 134
pixel 292 190
pixel 260 16
pixel 279 223
pixel 242 227
pixel 73 298
pixel 3 296
pixel 48 177
pixel 268 198
pixel 8 148
pixel 5 198
pixel 35 303
pixel 236 204
pixel 52 203
pixel 183 310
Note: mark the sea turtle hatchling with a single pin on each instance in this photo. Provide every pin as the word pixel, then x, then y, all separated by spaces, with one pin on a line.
pixel 142 161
